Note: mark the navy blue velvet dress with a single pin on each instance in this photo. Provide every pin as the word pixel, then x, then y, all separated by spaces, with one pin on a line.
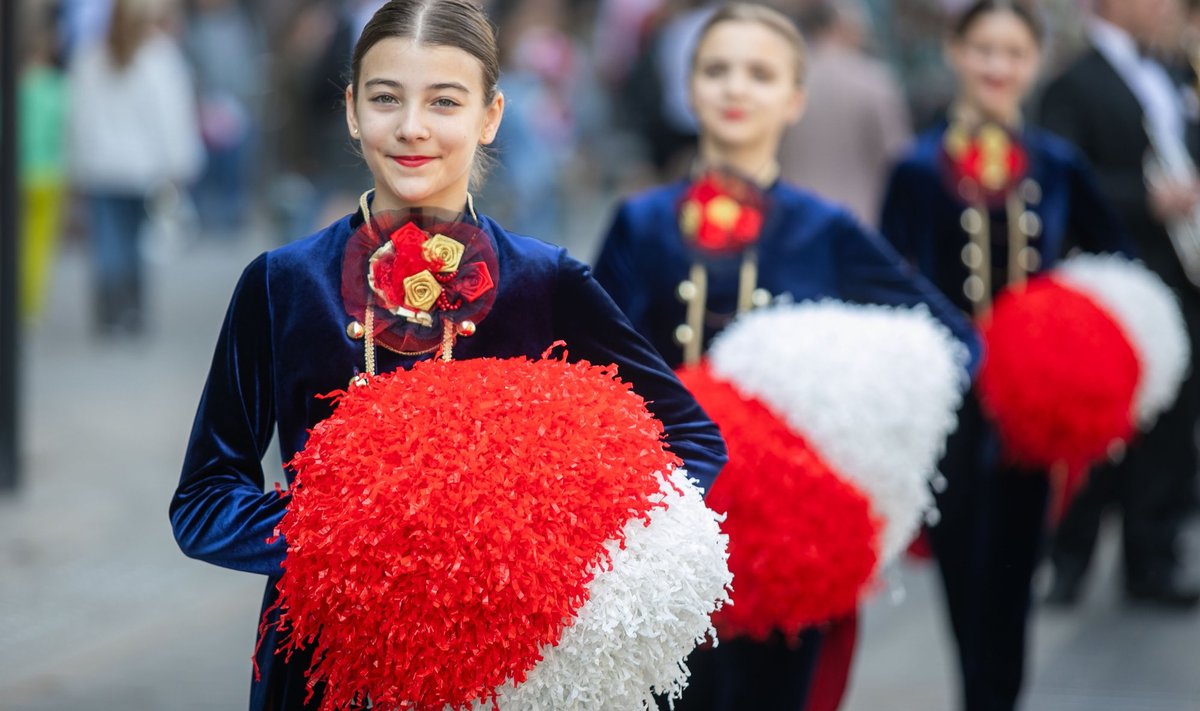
pixel 284 341
pixel 808 249
pixel 992 514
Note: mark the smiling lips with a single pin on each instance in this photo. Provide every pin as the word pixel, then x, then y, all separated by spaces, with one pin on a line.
pixel 733 114
pixel 412 161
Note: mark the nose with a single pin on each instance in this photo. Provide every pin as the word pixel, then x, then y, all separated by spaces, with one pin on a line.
pixel 412 126
pixel 734 84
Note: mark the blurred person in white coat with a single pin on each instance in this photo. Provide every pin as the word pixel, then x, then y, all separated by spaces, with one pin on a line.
pixel 132 131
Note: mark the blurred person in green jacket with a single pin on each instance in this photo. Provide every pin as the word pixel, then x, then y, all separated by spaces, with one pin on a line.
pixel 41 110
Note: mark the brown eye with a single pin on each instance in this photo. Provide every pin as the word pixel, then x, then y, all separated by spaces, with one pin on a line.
pixel 713 70
pixel 762 74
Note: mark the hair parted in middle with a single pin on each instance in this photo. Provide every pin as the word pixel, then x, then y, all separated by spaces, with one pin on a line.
pixel 763 15
pixel 461 24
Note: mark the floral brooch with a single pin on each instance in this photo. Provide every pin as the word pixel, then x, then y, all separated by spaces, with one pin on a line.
pixel 417 271
pixel 984 162
pixel 721 212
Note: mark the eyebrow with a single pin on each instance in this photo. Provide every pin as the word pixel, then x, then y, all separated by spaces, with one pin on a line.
pixel 440 86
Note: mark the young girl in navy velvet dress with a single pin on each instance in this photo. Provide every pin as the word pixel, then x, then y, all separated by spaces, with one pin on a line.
pixel 746 88
pixel 421 103
pixel 992 513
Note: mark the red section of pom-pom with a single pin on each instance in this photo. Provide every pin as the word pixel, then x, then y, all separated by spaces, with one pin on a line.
pixel 1058 376
pixel 802 541
pixel 445 521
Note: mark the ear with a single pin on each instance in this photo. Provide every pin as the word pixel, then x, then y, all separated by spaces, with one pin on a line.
pixel 351 113
pixel 491 120
pixel 798 103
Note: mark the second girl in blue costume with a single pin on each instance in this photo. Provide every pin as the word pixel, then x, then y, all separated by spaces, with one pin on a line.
pixel 992 513
pixel 746 88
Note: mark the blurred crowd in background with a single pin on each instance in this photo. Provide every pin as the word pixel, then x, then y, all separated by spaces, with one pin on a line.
pixel 230 116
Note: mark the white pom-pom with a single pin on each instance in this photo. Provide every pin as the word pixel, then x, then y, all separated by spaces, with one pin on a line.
pixel 874 389
pixel 1149 314
pixel 643 616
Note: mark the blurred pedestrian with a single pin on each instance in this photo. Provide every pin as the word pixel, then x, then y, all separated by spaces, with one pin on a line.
pixel 857 120
pixel 746 85
pixel 42 107
pixel 1119 104
pixel 132 133
pixel 226 51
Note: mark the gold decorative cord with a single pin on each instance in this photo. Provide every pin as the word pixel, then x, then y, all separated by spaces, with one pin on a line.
pixel 1017 240
pixel 694 293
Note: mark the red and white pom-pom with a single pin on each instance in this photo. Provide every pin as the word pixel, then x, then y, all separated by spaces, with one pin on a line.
pixel 1078 359
pixel 873 389
pixel 1149 314
pixel 802 541
pixel 1058 376
pixel 487 529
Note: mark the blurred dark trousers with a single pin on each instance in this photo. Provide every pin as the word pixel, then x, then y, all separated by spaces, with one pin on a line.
pixel 115 223
pixel 740 674
pixel 1155 487
pixel 987 544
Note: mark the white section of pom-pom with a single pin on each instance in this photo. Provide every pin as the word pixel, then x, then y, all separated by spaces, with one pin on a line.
pixel 1149 314
pixel 643 616
pixel 875 389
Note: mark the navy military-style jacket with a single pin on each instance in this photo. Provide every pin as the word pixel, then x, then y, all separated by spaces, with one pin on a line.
pixel 922 216
pixel 808 249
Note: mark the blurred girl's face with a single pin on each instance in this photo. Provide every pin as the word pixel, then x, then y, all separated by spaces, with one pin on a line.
pixel 419 115
pixel 744 88
pixel 996 61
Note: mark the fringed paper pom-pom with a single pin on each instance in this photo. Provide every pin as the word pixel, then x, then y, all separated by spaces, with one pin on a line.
pixel 873 389
pixel 1149 314
pixel 446 523
pixel 1058 376
pixel 802 542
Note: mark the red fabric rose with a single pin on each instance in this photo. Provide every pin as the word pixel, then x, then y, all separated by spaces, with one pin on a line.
pixel 473 281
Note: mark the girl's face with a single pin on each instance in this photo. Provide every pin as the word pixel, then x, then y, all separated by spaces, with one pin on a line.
pixel 744 88
pixel 419 114
pixel 996 62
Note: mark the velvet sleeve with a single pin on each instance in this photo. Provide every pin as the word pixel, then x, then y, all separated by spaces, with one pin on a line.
pixel 616 271
pixel 595 330
pixel 871 272
pixel 220 513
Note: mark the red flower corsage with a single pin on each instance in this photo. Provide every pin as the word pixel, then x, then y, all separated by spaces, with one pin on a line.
pixel 983 162
pixel 721 212
pixel 416 268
